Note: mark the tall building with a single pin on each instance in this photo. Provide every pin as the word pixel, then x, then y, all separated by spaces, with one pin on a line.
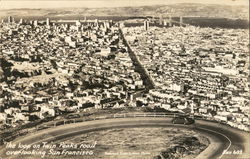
pixel 78 23
pixel 66 27
pixel 165 23
pixel 146 25
pixel 170 20
pixel 160 20
pixel 111 23
pixel 107 24
pixel 10 19
pixel 21 21
pixel 181 21
pixel 96 23
pixel 35 23
pixel 121 25
pixel 47 22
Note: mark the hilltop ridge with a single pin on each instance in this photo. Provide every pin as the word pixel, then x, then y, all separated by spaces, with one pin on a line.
pixel 184 9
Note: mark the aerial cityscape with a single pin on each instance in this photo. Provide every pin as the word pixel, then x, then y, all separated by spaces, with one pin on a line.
pixel 56 72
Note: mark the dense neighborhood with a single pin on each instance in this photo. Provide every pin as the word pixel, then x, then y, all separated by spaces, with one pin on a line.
pixel 200 70
pixel 48 69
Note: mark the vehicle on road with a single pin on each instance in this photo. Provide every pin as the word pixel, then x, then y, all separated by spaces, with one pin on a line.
pixel 72 116
pixel 183 120
pixel 43 127
pixel 59 123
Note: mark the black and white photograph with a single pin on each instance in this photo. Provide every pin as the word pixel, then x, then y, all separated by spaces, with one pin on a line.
pixel 124 79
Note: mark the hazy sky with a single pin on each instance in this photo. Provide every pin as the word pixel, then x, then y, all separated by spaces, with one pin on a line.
pixel 9 4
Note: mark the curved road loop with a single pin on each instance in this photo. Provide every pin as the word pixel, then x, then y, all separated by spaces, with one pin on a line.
pixel 223 138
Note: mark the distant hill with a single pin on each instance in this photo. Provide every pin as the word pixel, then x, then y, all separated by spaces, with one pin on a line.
pixel 185 9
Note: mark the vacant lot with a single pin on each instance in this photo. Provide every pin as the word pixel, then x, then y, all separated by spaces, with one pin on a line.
pixel 138 143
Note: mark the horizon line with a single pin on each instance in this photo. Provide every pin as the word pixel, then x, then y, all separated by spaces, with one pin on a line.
pixel 56 4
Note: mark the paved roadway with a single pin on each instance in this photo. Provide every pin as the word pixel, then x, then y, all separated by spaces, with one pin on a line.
pixel 148 81
pixel 222 137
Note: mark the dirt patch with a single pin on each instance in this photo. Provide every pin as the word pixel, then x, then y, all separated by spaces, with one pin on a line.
pixel 140 143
